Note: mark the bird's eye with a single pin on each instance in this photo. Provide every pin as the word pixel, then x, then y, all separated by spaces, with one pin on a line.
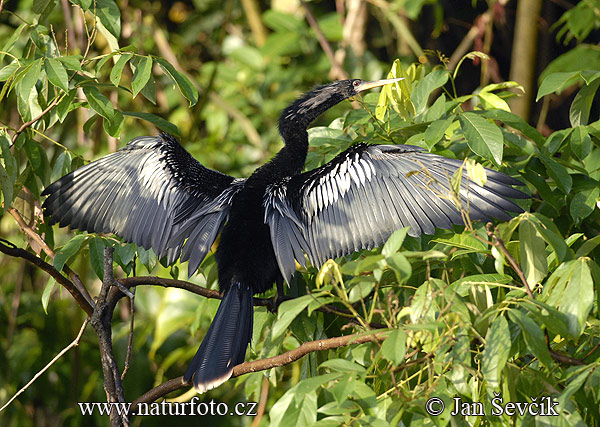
pixel 355 83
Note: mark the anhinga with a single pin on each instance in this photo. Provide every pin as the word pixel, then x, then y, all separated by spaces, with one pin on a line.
pixel 154 193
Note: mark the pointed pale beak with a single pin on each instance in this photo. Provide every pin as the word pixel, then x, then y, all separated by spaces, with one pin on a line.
pixel 376 83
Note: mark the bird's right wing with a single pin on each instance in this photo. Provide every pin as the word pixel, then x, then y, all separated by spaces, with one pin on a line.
pixel 152 193
pixel 362 196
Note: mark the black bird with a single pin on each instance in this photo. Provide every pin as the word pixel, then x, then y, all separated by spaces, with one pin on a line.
pixel 154 193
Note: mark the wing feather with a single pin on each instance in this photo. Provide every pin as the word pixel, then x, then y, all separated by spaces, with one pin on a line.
pixel 151 192
pixel 362 196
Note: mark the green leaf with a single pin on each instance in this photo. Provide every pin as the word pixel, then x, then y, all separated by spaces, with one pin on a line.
pixel 183 83
pixel 432 81
pixel 533 252
pixel 39 6
pixel 85 4
pixel 575 382
pixel 29 79
pixel 56 73
pixel 534 337
pixel 483 137
pixel 516 122
pixel 10 42
pixel 47 292
pixel 292 408
pixel 579 113
pixel 117 70
pixel 159 122
pixel 343 365
pixel 588 246
pixel 10 163
pixel 569 289
pixel 143 71
pixel 556 139
pixel 287 312
pixel 578 297
pixel 71 62
pixel 99 103
pixel 109 14
pixel 97 245
pixel 435 131
pixel 34 154
pixel 497 350
pixel 147 257
pixel 394 347
pixel 65 105
pixel 583 204
pixel 360 291
pixel 61 166
pixel 558 173
pixel 556 82
pixel 67 251
pixel 462 286
pixel 282 22
pixel 114 125
pixel 580 142
pixel 492 101
pixel 7 189
pixel 394 242
pixel 8 71
pixel 401 266
pixel 552 235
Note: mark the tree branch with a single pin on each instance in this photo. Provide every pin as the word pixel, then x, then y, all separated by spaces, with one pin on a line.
pixel 33 235
pixel 10 249
pixel 264 364
pixel 101 321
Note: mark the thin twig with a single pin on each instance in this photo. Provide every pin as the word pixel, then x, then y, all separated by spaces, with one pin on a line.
pixel 338 71
pixel 497 241
pixel 264 364
pixel 130 340
pixel 32 121
pixel 262 402
pixel 45 368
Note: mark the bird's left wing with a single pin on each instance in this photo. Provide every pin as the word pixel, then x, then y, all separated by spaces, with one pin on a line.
pixel 362 196
pixel 152 193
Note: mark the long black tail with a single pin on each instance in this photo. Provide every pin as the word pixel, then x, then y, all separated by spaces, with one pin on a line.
pixel 225 343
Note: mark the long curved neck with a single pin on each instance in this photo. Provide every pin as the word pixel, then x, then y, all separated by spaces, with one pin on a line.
pixel 294 121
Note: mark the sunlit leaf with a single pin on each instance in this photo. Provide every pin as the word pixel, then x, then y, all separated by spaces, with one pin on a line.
pixel 394 347
pixel 143 71
pixel 117 70
pixel 56 73
pixel 533 252
pixel 483 137
pixel 556 82
pixel 497 350
pixel 581 105
pixel 183 83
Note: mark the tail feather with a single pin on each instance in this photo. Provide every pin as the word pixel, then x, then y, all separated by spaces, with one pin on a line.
pixel 225 343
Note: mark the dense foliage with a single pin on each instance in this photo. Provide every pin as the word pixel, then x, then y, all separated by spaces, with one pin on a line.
pixel 477 312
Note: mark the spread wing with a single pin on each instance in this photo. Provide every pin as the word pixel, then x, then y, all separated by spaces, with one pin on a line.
pixel 152 193
pixel 362 196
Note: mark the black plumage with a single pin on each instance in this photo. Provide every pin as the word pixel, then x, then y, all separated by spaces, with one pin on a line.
pixel 153 193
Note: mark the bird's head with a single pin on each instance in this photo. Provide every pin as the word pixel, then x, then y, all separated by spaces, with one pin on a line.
pixel 306 108
pixel 353 87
